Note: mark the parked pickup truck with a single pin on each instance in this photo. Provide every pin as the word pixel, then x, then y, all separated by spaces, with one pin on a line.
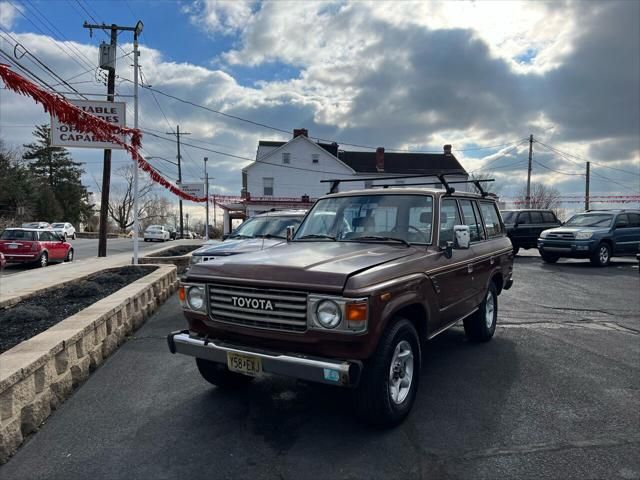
pixel 369 276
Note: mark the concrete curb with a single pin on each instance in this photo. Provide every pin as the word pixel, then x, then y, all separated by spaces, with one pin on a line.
pixel 37 375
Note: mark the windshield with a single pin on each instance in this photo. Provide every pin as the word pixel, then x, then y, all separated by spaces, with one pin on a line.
pixel 266 227
pixel 590 220
pixel 509 216
pixel 58 225
pixel 404 218
pixel 18 235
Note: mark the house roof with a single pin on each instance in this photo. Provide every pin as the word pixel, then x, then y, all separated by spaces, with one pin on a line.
pixel 394 162
pixel 405 163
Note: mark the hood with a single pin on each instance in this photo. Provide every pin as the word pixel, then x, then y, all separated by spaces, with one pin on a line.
pixel 320 266
pixel 575 230
pixel 233 247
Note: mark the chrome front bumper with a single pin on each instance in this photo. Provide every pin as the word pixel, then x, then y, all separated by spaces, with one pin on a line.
pixel 333 372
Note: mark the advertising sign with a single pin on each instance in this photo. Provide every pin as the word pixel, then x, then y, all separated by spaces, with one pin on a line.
pixel 193 189
pixel 63 135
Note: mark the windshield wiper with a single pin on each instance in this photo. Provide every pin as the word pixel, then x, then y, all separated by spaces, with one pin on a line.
pixel 380 237
pixel 239 235
pixel 270 235
pixel 317 235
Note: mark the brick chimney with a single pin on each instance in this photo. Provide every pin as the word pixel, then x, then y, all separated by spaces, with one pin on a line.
pixel 380 159
pixel 447 149
pixel 300 131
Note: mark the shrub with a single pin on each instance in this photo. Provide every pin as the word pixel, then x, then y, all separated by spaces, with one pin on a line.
pixel 24 314
pixel 84 289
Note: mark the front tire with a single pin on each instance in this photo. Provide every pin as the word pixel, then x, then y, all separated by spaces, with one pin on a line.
pixel 481 326
pixel 219 375
pixel 73 236
pixel 390 379
pixel 69 257
pixel 601 255
pixel 516 249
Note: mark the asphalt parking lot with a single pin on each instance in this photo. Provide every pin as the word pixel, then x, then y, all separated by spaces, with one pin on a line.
pixel 556 394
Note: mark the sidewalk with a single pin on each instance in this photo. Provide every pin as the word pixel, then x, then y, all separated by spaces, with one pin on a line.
pixel 13 288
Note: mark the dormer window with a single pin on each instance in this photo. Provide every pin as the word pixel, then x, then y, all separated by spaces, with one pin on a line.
pixel 315 158
pixel 286 157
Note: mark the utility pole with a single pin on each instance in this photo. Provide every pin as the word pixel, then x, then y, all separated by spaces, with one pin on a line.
pixel 206 194
pixel 177 134
pixel 529 172
pixel 586 187
pixel 106 168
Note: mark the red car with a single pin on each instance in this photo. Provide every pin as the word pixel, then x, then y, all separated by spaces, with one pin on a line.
pixel 29 245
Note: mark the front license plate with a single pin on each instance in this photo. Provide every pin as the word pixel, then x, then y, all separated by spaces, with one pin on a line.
pixel 247 364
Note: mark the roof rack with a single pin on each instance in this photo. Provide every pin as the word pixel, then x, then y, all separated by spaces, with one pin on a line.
pixel 335 182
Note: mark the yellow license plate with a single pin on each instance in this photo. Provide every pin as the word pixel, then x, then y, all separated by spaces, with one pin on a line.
pixel 246 364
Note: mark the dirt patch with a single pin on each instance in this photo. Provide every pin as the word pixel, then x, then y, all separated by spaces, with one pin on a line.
pixel 41 311
pixel 176 251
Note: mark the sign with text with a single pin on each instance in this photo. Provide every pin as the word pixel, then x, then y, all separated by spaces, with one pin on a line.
pixel 193 189
pixel 63 135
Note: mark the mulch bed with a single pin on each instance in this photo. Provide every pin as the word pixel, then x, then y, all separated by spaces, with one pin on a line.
pixel 41 311
pixel 176 251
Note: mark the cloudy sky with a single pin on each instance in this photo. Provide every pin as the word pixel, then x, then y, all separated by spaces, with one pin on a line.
pixel 403 75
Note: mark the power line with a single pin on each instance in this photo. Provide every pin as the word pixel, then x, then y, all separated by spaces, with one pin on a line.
pixel 565 154
pixel 557 171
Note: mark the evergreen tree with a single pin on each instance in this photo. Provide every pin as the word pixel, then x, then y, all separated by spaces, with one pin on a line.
pixel 62 196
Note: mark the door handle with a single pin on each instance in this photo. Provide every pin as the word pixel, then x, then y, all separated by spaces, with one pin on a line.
pixel 470 268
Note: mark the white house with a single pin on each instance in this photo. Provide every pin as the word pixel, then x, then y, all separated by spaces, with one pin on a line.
pixel 288 174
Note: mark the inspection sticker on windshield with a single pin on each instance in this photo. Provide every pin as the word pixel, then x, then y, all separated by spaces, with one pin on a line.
pixel 331 375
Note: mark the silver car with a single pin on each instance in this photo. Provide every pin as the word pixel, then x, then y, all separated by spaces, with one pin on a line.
pixel 65 230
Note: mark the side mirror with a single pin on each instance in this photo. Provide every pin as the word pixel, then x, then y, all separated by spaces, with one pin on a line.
pixel 290 232
pixel 461 235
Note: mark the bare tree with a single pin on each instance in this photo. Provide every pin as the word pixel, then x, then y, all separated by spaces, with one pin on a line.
pixel 490 187
pixel 161 211
pixel 121 198
pixel 542 196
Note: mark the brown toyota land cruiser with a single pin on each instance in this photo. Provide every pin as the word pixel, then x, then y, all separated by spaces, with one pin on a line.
pixel 369 276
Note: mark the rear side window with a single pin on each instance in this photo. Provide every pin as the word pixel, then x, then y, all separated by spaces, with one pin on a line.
pixel 491 219
pixel 476 233
pixel 548 217
pixel 536 217
pixel 524 218
pixel 18 235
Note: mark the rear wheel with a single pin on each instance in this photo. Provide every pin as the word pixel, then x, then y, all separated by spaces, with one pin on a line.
pixel 44 260
pixel 549 257
pixel 601 256
pixel 219 375
pixel 481 326
pixel 390 378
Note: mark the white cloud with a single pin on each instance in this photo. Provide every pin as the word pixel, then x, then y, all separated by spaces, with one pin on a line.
pixel 221 16
pixel 8 14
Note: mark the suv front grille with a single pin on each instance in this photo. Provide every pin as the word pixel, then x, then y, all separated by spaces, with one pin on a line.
pixel 560 235
pixel 258 307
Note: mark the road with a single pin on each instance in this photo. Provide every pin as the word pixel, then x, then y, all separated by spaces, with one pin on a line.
pixel 554 395
pixel 85 248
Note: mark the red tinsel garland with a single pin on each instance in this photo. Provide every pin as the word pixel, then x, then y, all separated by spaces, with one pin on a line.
pixel 87 123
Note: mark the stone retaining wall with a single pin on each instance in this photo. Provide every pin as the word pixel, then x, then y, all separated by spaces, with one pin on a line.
pixel 181 262
pixel 37 375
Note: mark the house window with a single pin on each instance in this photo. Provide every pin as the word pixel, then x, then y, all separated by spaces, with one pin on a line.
pixel 286 157
pixel 315 158
pixel 268 186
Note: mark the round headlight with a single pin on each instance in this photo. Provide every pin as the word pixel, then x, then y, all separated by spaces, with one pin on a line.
pixel 328 314
pixel 195 298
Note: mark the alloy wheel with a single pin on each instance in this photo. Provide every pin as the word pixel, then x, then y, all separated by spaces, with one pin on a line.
pixel 401 372
pixel 489 309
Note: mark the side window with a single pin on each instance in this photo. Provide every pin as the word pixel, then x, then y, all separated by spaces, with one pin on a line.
pixel 548 217
pixel 523 218
pixel 634 220
pixel 622 221
pixel 449 216
pixel 475 228
pixel 536 217
pixel 476 212
pixel 46 237
pixel 267 183
pixel 491 219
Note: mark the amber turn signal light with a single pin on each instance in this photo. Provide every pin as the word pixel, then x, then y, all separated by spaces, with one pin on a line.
pixel 181 294
pixel 356 312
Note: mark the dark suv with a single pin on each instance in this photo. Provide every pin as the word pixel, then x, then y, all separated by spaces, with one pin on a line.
pixel 525 226
pixel 596 234
pixel 369 276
